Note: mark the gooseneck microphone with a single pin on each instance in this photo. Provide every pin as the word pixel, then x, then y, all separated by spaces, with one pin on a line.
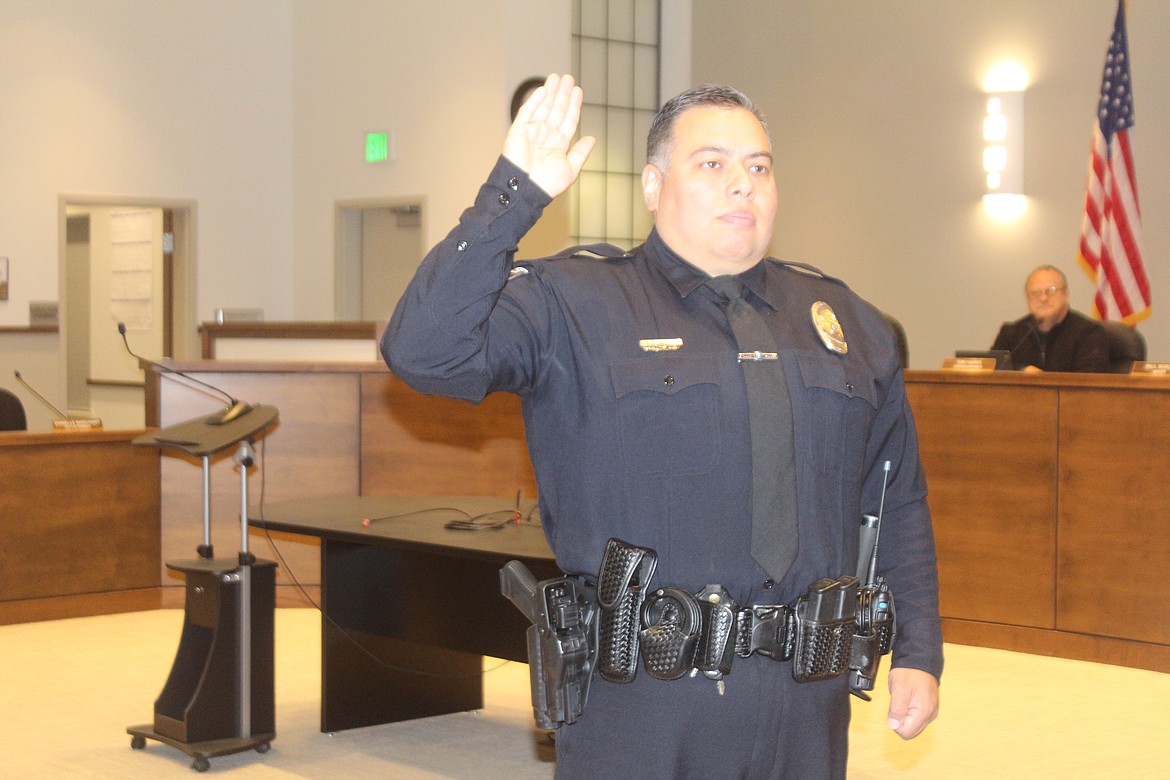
pixel 60 414
pixel 235 408
pixel 62 422
pixel 1033 331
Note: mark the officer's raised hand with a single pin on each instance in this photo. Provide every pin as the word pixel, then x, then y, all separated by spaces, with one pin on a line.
pixel 540 140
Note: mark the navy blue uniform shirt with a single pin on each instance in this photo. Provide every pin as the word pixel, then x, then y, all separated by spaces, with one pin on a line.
pixel 652 446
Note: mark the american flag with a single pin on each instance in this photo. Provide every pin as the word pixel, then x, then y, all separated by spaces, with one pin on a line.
pixel 1111 232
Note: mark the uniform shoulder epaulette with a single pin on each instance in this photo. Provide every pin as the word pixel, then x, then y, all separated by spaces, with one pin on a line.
pixel 598 251
pixel 807 270
pixel 605 251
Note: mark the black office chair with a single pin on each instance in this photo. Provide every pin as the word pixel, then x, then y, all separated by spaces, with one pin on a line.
pixel 11 412
pixel 1126 346
pixel 902 343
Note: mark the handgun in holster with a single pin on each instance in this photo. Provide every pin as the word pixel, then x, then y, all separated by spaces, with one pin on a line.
pixel 562 640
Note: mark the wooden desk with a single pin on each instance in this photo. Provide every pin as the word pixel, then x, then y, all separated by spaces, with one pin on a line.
pixel 79 525
pixel 408 606
pixel 1049 498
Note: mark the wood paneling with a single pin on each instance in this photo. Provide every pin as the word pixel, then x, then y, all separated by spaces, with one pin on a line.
pixel 990 460
pixel 79 515
pixel 1115 497
pixel 210 332
pixel 1049 496
pixel 426 445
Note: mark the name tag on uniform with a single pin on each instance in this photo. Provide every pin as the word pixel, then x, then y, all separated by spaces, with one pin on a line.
pixel 660 345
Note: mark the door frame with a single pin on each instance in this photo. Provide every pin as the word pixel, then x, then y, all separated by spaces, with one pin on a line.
pixel 347 246
pixel 181 331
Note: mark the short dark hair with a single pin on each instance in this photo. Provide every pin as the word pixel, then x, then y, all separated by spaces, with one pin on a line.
pixel 661 135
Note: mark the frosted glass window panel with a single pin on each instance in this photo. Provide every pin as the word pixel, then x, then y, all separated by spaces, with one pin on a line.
pixel 594 122
pixel 621 74
pixel 592 221
pixel 593 15
pixel 645 78
pixel 592 75
pixel 619 218
pixel 615 58
pixel 621 20
pixel 646 21
pixel 620 143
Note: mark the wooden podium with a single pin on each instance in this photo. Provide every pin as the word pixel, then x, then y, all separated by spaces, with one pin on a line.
pixel 219 697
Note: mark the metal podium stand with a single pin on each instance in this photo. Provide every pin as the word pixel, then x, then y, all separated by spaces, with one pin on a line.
pixel 218 698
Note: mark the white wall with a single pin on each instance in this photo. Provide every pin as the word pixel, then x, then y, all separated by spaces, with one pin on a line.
pixel 150 99
pixel 201 100
pixel 440 75
pixel 876 111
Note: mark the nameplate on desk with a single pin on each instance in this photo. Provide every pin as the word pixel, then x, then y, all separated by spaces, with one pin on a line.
pixel 969 364
pixel 1148 368
pixel 77 424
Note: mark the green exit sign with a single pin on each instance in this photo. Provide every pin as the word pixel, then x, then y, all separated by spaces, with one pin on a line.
pixel 377 147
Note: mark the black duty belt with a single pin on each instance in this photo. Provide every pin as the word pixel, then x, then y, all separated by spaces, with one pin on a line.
pixel 676 631
pixel 579 627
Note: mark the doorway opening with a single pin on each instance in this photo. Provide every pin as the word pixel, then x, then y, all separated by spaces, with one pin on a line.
pixel 123 261
pixel 379 244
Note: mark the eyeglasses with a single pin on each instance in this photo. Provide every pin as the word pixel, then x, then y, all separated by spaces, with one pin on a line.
pixel 1037 294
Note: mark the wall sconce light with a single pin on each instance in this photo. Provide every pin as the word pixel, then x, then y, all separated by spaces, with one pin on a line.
pixel 1003 143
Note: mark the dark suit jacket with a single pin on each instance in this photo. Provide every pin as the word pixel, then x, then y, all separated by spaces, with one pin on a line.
pixel 1077 344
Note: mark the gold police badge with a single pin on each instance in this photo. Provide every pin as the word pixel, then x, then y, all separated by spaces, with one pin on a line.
pixel 825 322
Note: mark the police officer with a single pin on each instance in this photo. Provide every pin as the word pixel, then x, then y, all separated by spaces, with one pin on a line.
pixel 636 410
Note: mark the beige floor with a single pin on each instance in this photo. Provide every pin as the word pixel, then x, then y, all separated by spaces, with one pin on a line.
pixel 69 689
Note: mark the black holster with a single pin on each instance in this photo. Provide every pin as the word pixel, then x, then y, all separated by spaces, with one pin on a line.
pixel 562 640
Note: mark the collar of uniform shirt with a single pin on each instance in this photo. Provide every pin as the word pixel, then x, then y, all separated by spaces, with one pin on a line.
pixel 687 278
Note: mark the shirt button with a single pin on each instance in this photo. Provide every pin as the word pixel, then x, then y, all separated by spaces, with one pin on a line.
pixel 769 583
pixel 461 246
pixel 504 199
pixel 513 183
pixel 668 380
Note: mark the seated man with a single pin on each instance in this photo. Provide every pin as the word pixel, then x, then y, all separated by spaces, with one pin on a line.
pixel 1052 337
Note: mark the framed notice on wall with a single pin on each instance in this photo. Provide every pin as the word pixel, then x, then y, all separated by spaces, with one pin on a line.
pixel 3 278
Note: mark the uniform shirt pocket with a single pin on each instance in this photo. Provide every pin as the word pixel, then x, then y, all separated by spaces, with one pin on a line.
pixel 839 404
pixel 668 414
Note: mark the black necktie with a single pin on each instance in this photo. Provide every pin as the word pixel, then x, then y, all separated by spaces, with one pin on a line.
pixel 774 528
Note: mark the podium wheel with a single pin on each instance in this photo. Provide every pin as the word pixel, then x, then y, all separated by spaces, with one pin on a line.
pixel 200 764
pixel 138 743
pixel 263 748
